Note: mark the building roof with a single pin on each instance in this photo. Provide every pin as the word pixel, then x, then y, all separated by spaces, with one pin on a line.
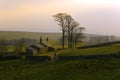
pixel 35 47
pixel 30 48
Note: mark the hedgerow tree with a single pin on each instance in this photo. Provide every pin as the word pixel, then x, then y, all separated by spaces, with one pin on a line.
pixel 73 33
pixel 60 18
pixel 78 35
pixel 69 27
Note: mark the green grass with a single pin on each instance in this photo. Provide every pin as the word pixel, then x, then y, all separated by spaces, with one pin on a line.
pixel 90 69
pixel 113 49
pixel 106 69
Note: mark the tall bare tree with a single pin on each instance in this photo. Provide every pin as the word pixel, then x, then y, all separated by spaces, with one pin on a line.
pixel 60 18
pixel 69 21
pixel 75 33
pixel 73 26
pixel 68 27
pixel 78 35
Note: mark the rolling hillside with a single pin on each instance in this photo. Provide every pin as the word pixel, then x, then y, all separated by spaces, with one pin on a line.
pixel 9 35
pixel 32 35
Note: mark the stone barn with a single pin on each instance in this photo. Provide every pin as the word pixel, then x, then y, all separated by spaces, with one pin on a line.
pixel 32 50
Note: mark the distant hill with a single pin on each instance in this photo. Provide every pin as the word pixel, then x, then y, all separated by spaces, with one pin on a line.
pixel 9 35
pixel 32 35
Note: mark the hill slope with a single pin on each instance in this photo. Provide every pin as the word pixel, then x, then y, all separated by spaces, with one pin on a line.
pixel 33 35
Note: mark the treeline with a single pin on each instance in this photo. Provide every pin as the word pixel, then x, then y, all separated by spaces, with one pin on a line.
pixel 14 46
pixel 100 39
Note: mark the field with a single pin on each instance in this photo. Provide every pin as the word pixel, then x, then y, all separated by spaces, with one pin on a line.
pixel 87 69
pixel 113 49
pixel 105 69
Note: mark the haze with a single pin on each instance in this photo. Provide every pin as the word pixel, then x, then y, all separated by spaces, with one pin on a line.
pixel 97 16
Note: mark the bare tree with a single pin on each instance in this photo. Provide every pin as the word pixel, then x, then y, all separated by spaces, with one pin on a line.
pixel 73 27
pixel 68 26
pixel 60 18
pixel 74 32
pixel 78 35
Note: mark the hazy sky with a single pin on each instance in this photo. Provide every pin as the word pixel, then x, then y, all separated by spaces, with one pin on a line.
pixel 97 16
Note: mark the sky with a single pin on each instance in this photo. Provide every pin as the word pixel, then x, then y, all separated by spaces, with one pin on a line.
pixel 97 16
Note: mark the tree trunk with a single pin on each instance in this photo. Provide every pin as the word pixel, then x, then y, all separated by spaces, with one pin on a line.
pixel 71 40
pixel 68 38
pixel 63 39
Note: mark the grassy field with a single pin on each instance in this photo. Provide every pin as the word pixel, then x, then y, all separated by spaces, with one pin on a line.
pixel 113 49
pixel 89 69
pixel 105 69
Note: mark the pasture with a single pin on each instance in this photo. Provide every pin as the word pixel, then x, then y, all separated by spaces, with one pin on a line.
pixel 93 69
pixel 113 49
pixel 86 69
